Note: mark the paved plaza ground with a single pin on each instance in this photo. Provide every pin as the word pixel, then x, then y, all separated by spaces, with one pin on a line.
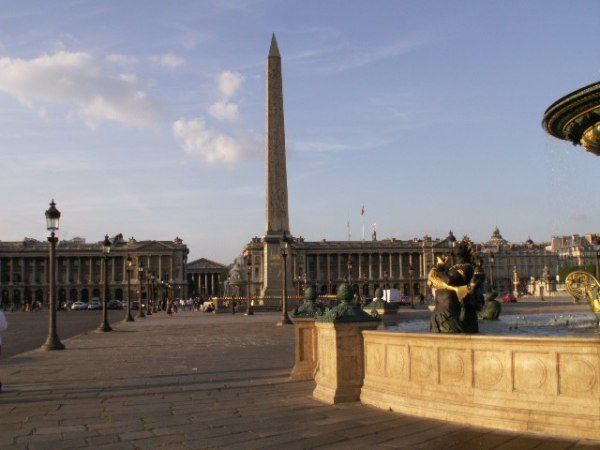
pixel 28 331
pixel 199 381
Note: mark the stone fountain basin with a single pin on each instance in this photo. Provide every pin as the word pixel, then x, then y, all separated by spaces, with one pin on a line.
pixel 577 324
pixel 547 385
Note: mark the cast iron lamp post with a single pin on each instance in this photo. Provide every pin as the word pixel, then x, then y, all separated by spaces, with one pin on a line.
pixel 148 291
pixel 249 310
pixel 129 261
pixel 161 288
pixel 361 289
pixel 452 241
pixel 104 326
pixel 141 314
pixel 299 279
pixel 492 277
pixel 52 219
pixel 349 266
pixel 171 286
pixel 154 289
pixel 411 288
pixel 285 320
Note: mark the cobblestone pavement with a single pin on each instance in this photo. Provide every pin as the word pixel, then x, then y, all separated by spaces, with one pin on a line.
pixel 199 381
pixel 28 330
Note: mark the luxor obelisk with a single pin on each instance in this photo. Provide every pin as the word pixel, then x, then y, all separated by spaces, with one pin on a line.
pixel 277 197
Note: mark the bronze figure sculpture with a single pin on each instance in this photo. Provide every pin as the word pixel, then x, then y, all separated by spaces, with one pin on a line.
pixel 458 291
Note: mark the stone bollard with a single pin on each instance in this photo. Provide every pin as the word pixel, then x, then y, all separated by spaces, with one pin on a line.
pixel 340 369
pixel 382 309
pixel 306 337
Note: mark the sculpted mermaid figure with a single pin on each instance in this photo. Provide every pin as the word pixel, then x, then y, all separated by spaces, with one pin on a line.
pixel 457 290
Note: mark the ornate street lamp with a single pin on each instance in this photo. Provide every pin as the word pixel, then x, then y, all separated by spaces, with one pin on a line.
pixel 492 277
pixel 129 262
pixel 349 267
pixel 154 282
pixel 452 240
pixel 249 309
pixel 148 290
pixel 104 326
pixel 173 290
pixel 285 320
pixel 361 288
pixel 411 288
pixel 141 314
pixel 52 219
pixel 162 289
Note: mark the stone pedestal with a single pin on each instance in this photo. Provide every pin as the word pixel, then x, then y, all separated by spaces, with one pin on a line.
pixel 272 267
pixel 306 349
pixel 341 367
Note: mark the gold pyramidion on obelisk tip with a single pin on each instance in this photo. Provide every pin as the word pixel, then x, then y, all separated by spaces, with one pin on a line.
pixel 274 50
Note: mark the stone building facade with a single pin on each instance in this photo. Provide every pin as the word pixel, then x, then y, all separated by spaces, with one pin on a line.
pixel 204 277
pixel 375 263
pixel 528 258
pixel 79 274
pixel 577 250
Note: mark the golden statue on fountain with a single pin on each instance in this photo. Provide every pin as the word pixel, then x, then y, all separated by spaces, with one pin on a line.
pixel 584 286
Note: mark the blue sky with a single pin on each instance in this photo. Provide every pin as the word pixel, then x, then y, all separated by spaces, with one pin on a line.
pixel 147 118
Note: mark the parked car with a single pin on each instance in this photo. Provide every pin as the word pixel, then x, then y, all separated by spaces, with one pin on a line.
pixel 95 305
pixel 135 305
pixel 79 306
pixel 509 298
pixel 114 304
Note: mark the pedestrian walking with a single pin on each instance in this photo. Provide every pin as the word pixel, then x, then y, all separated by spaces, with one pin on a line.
pixel 170 306
pixel 3 326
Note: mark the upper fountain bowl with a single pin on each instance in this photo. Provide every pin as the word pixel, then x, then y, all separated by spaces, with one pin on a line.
pixel 576 118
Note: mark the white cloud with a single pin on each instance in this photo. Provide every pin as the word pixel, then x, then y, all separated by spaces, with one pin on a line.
pixel 78 80
pixel 224 111
pixel 118 58
pixel 197 139
pixel 167 60
pixel 229 82
pixel 129 77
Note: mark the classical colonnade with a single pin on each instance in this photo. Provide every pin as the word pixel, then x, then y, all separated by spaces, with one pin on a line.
pixel 25 278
